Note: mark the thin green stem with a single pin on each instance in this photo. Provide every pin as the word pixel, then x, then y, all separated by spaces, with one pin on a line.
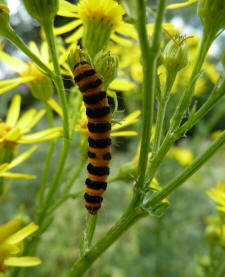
pixel 17 41
pixel 48 28
pixel 88 234
pixel 63 199
pixel 149 57
pixel 127 220
pixel 48 159
pixel 75 175
pixel 188 172
pixel 185 100
pixel 161 112
pixel 55 182
pixel 181 108
pixel 217 93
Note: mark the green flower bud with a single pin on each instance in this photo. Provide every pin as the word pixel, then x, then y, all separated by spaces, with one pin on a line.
pixel 127 172
pixel 42 89
pixel 4 18
pixel 212 234
pixel 212 14
pixel 42 9
pixel 106 65
pixel 75 56
pixel 175 56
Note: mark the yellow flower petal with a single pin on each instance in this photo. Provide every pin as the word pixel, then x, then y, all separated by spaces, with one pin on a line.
pixel 14 111
pixel 22 233
pixel 67 27
pixel 44 52
pixel 9 228
pixel 127 30
pixel 180 5
pixel 29 119
pixel 121 40
pixel 7 249
pixel 34 48
pixel 44 135
pixel 122 85
pixel 128 120
pixel 14 63
pixel 66 6
pixel 55 106
pixel 22 261
pixel 11 175
pixel 12 135
pixel 124 134
pixel 75 36
pixel 21 157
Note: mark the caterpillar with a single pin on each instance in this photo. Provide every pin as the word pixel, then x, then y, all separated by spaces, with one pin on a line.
pixel 99 127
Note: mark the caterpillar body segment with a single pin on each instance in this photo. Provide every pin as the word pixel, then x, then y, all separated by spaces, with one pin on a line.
pixel 99 127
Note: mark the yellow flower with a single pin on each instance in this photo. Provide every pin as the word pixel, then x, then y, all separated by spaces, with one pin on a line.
pixel 183 156
pixel 4 168
pixel 11 238
pixel 13 130
pixel 218 195
pixel 154 185
pixel 39 84
pixel 107 11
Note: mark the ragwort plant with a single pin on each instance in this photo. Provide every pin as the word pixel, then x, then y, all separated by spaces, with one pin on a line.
pixel 96 24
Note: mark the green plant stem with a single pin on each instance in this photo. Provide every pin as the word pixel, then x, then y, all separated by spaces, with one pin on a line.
pixel 75 175
pixel 48 28
pixel 184 103
pixel 149 57
pixel 185 100
pixel 188 172
pixel 48 158
pixel 88 234
pixel 217 93
pixel 17 41
pixel 132 215
pixel 55 182
pixel 63 199
pixel 161 112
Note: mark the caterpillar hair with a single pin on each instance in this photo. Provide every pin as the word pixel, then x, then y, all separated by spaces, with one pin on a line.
pixel 99 126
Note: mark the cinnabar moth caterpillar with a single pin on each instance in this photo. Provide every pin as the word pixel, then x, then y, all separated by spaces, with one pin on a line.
pixel 99 126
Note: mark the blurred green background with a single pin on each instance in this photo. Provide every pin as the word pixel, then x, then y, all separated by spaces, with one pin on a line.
pixel 160 245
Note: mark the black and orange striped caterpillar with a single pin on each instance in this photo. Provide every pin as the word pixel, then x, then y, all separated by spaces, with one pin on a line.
pixel 99 126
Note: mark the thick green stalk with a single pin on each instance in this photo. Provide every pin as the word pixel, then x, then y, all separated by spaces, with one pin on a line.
pixel 17 41
pixel 149 57
pixel 188 172
pixel 161 112
pixel 83 263
pixel 48 28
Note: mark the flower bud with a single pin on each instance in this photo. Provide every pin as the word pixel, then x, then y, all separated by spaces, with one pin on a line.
pixel 42 89
pixel 42 9
pixel 4 18
pixel 127 172
pixel 212 14
pixel 212 234
pixel 106 65
pixel 75 56
pixel 175 56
